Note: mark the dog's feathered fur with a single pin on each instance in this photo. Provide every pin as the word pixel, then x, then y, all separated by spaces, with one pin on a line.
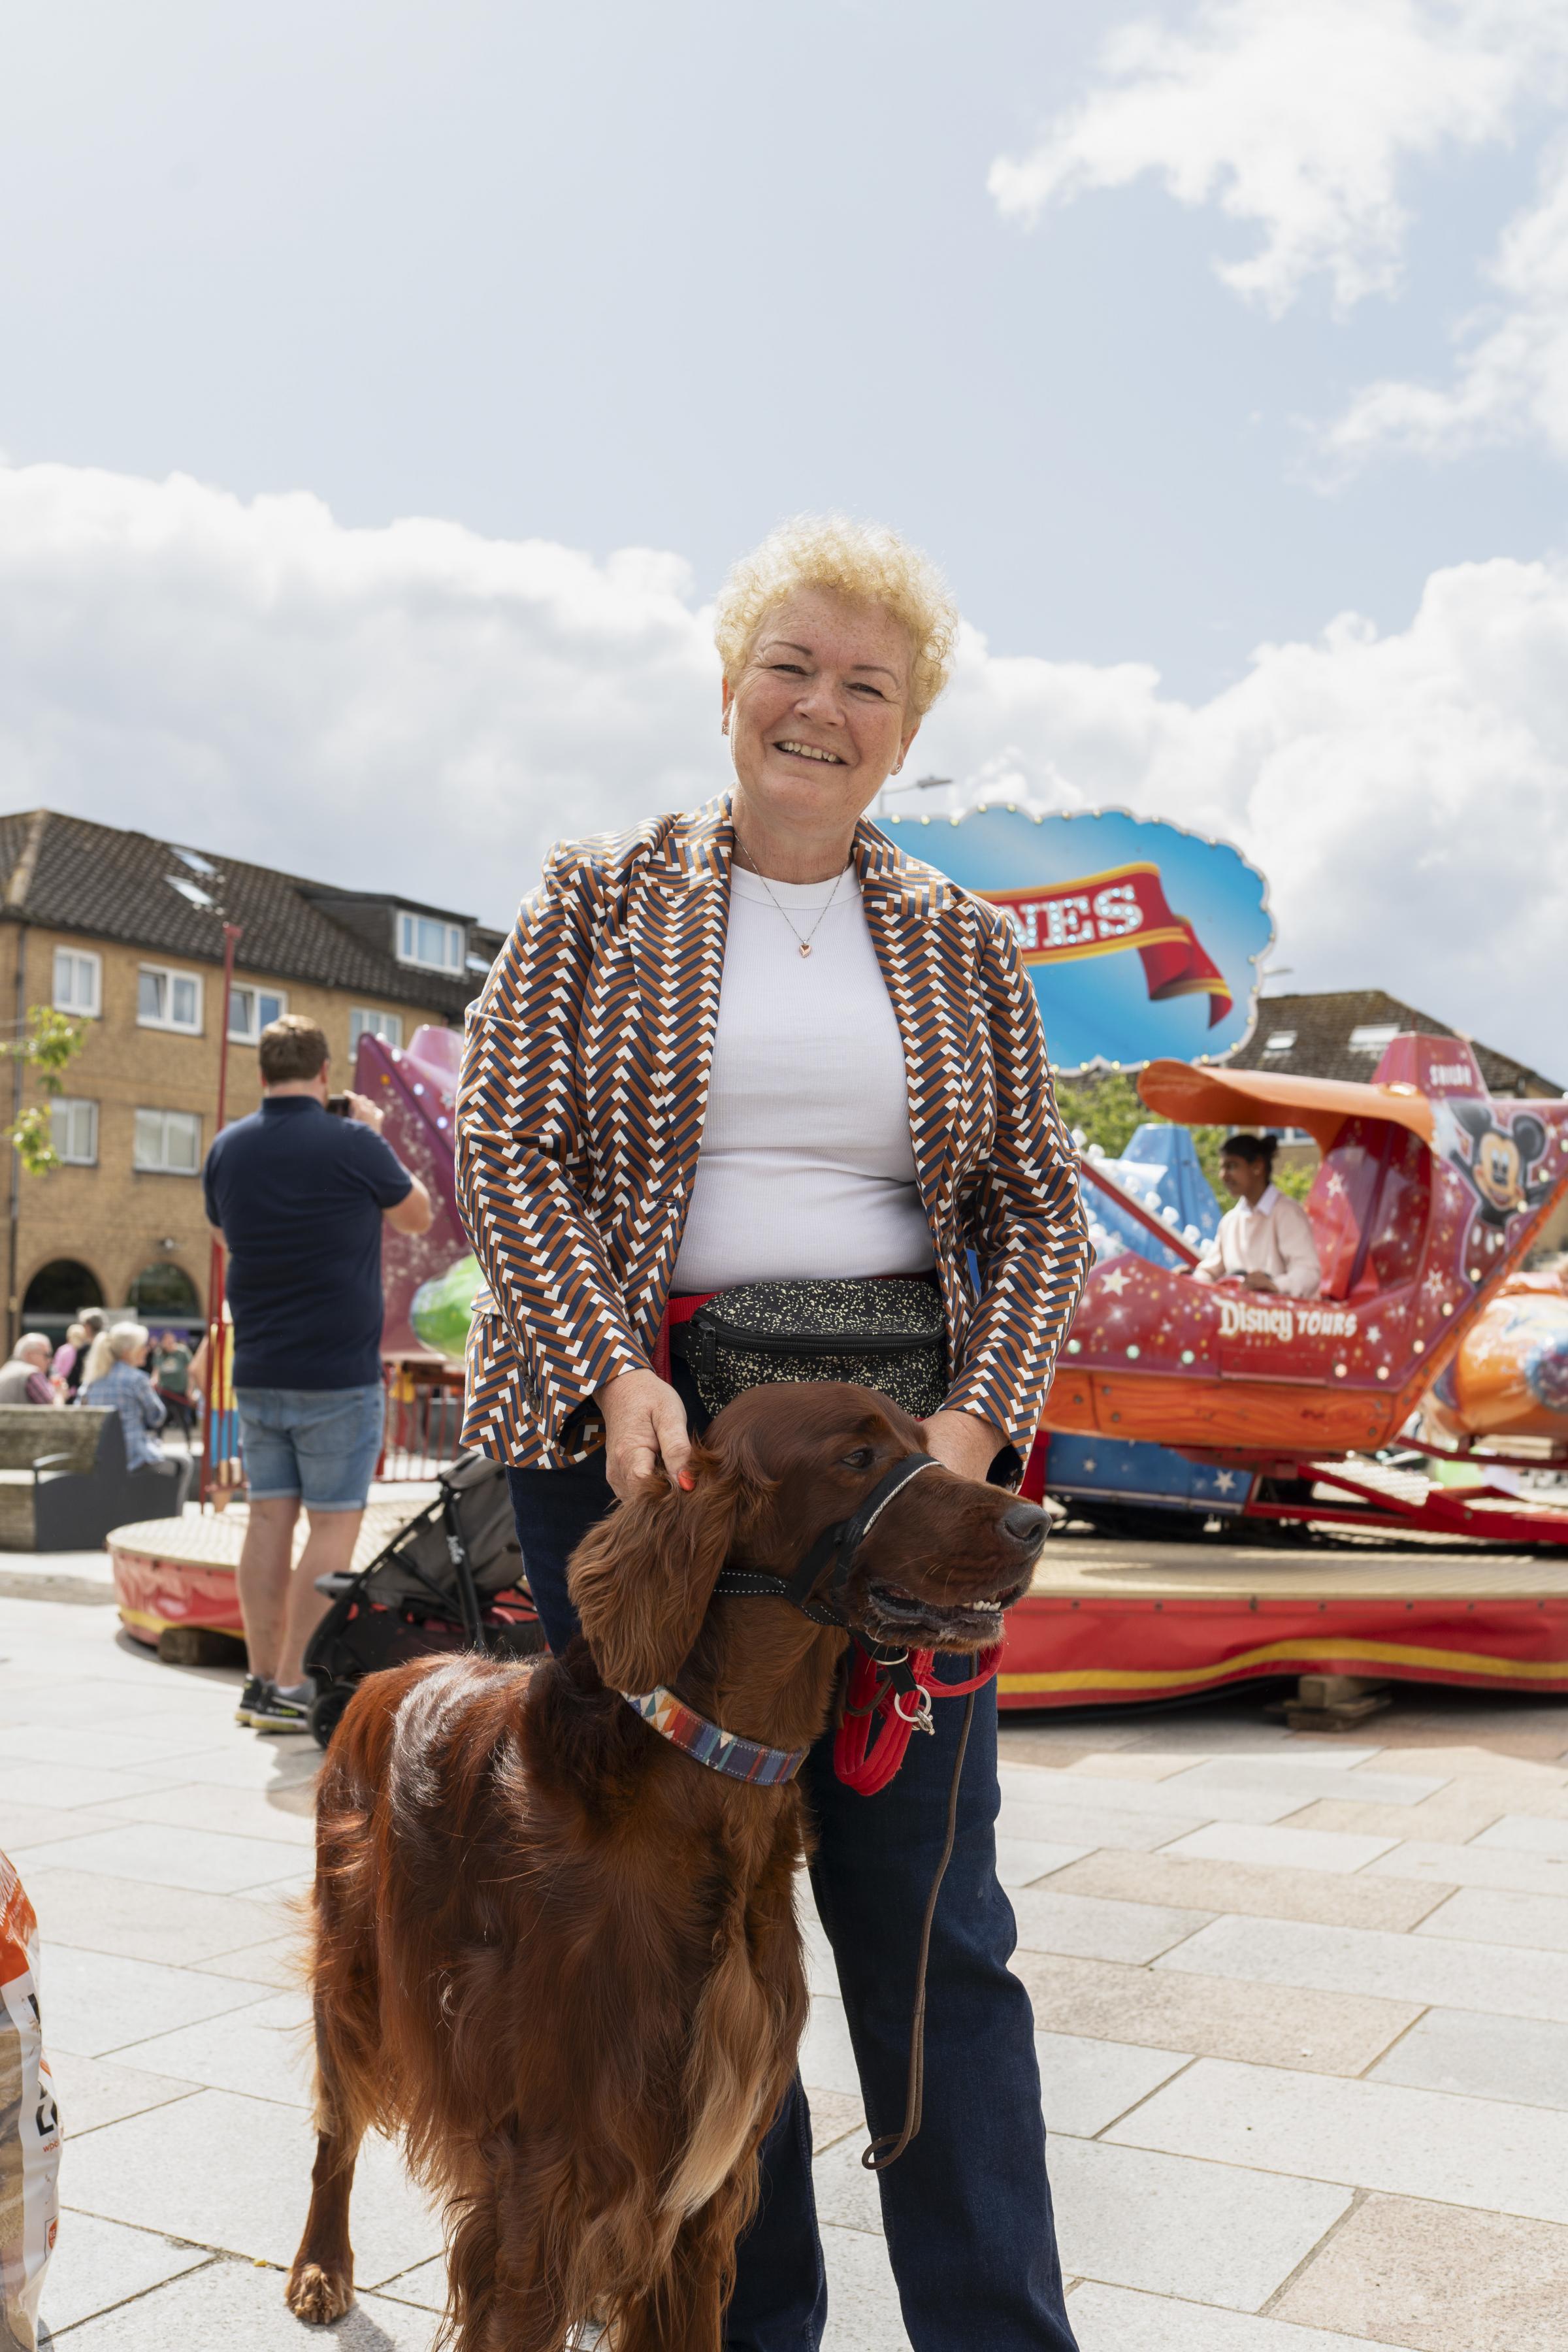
pixel 559 1958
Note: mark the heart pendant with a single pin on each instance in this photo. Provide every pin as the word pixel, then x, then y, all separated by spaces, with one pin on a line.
pixel 805 947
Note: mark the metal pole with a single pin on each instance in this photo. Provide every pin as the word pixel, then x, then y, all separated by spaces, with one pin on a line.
pixel 232 933
pixel 19 1030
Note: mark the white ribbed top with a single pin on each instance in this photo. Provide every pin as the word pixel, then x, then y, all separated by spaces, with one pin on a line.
pixel 806 1167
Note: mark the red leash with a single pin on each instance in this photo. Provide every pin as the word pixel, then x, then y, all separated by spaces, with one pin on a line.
pixel 880 1719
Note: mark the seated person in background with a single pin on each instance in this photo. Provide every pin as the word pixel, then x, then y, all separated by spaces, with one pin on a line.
pixel 1265 1242
pixel 126 1387
pixel 26 1379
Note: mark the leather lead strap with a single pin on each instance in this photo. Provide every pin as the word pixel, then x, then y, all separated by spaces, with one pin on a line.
pixel 839 1544
pixel 888 2150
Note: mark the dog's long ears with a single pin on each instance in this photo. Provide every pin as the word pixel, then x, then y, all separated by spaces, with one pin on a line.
pixel 643 1578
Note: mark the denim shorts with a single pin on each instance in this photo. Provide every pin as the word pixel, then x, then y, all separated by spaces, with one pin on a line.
pixel 320 1446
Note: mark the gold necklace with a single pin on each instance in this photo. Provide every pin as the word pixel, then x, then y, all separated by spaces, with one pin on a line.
pixel 804 938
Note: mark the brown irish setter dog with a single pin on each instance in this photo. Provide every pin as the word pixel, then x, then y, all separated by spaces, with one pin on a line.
pixel 558 1955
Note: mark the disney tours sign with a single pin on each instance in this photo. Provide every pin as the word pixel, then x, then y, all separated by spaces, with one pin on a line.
pixel 1141 939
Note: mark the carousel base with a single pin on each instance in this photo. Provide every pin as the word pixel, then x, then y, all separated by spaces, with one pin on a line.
pixel 1118 1623
pixel 180 1574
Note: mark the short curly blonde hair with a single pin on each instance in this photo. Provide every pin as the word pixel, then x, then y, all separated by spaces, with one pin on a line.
pixel 862 561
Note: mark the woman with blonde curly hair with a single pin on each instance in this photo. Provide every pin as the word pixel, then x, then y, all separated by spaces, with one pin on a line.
pixel 757 1048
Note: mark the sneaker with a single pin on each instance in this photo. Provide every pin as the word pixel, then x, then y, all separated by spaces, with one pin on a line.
pixel 250 1699
pixel 273 1712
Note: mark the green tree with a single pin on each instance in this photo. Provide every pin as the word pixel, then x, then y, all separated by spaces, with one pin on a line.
pixel 1105 1108
pixel 47 1046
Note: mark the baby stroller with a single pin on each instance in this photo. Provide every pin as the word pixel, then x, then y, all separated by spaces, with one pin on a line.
pixel 452 1580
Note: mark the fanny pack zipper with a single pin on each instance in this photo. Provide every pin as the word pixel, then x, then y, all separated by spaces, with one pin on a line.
pixel 712 1334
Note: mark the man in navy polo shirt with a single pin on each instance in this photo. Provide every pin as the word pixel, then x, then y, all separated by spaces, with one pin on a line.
pixel 300 1198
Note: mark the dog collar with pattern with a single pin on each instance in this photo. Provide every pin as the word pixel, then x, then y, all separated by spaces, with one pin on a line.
pixel 721 1751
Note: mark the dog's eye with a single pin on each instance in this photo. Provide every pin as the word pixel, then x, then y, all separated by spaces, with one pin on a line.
pixel 862 1459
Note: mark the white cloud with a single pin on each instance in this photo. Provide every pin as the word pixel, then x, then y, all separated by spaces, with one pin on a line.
pixel 1298 117
pixel 1406 794
pixel 1511 382
pixel 368 704
pixel 421 708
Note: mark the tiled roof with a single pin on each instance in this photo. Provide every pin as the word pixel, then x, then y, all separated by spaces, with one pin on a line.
pixel 1319 1030
pixel 108 884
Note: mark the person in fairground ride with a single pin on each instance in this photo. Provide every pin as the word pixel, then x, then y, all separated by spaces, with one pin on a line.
pixel 865 1093
pixel 1266 1241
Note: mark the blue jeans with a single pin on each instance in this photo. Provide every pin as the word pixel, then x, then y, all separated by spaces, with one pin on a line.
pixel 318 1446
pixel 967 2208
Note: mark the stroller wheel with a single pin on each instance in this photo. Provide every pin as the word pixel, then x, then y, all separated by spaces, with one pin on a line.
pixel 326 1709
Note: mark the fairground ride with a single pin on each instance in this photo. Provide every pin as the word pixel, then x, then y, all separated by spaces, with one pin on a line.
pixel 1428 1195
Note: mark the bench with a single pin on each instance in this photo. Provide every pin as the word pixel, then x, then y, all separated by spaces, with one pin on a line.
pixel 65 1482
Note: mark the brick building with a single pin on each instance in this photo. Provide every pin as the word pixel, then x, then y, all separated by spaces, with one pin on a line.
pixel 126 932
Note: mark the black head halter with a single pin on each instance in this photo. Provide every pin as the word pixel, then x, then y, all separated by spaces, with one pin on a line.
pixel 834 1549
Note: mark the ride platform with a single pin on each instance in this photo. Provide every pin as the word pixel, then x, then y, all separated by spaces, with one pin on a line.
pixel 1115 1622
pixel 179 1574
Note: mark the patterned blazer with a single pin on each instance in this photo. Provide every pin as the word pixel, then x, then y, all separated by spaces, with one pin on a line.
pixel 581 1106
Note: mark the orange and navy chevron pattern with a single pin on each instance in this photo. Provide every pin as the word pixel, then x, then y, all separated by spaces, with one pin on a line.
pixel 582 1101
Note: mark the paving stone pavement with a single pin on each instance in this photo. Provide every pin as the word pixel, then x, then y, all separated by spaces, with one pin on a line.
pixel 1302 2009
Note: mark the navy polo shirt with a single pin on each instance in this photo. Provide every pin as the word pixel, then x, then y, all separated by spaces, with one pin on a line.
pixel 300 1194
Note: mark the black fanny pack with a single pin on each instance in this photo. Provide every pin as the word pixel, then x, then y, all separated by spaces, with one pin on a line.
pixel 886 1335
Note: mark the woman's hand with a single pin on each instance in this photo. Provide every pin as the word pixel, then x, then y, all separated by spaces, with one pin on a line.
pixel 961 1441
pixel 644 1425
pixel 1259 1282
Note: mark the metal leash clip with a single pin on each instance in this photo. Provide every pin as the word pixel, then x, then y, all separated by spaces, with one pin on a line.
pixel 922 1719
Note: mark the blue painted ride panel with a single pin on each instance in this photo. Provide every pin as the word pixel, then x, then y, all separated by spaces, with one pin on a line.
pixel 1127 1470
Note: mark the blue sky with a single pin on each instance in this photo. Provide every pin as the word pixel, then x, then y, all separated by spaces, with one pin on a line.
pixel 608 278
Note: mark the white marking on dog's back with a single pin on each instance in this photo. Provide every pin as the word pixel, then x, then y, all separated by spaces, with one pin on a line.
pixel 421 1725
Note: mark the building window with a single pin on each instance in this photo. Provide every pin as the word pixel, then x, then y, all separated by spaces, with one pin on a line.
pixel 74 1132
pixel 252 1010
pixel 364 1022
pixel 425 941
pixel 1279 1040
pixel 1373 1036
pixel 168 1142
pixel 169 1000
pixel 79 981
pixel 164 1289
pixel 58 1293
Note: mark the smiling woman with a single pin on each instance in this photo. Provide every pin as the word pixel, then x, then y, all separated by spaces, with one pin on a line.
pixel 754 1055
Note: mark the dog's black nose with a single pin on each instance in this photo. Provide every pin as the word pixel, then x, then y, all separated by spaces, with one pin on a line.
pixel 1026 1524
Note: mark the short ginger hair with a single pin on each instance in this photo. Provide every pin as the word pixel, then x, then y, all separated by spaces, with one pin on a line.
pixel 863 562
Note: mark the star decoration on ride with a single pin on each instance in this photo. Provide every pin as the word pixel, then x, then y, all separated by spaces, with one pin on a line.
pixel 1116 1281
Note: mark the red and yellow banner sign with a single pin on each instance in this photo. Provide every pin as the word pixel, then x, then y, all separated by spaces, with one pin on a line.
pixel 1103 914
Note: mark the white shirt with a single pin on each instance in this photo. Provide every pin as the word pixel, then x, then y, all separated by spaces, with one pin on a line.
pixel 1270 1237
pixel 806 1168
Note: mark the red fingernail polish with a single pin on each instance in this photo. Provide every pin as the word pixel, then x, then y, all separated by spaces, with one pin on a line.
pixel 686 1482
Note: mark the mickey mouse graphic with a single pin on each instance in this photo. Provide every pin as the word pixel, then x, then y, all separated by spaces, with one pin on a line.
pixel 1500 1161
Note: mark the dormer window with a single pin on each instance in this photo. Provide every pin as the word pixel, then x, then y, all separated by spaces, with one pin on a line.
pixel 1373 1036
pixel 432 944
pixel 1279 1040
